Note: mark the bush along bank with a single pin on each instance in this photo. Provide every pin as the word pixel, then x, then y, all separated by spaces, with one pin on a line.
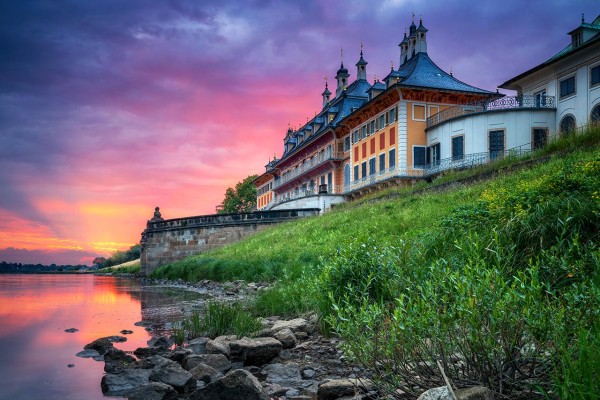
pixel 498 282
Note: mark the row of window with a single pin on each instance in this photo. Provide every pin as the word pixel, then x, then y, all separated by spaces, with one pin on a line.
pixel 567 86
pixel 264 189
pixel 374 125
pixel 363 172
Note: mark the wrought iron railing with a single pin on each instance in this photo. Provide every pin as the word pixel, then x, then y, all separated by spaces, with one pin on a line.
pixel 307 166
pixel 301 193
pixel 503 103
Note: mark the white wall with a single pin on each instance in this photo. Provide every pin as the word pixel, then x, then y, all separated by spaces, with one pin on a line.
pixel 324 202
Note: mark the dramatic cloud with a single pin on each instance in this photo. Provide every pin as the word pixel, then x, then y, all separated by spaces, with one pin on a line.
pixel 110 108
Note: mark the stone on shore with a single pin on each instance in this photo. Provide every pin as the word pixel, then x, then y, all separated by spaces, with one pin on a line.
pixel 295 325
pixel 342 387
pixel 100 345
pixel 236 385
pixel 286 337
pixel 123 383
pixel 153 391
pixel 198 345
pixel 257 351
pixel 472 393
pixel 217 361
pixel 205 373
pixel 116 360
pixel 161 342
pixel 217 347
pixel 173 375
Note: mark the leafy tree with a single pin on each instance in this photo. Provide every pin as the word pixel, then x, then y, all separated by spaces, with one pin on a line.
pixel 120 257
pixel 99 262
pixel 242 198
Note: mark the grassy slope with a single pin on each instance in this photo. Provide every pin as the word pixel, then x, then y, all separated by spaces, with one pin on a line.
pixel 284 251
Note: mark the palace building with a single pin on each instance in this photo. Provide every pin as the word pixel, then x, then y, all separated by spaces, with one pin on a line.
pixel 420 120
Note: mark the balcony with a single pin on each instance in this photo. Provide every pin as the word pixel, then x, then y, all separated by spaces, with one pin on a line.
pixel 504 103
pixel 307 166
pixel 301 193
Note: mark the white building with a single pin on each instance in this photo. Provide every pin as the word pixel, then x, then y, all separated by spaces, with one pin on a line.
pixel 557 96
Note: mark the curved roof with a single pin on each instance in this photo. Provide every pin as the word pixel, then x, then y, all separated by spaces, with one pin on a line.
pixel 421 71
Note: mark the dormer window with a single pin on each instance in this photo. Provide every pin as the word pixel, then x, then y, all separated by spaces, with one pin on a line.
pixel 576 39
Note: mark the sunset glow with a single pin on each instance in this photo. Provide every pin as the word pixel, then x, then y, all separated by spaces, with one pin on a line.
pixel 108 110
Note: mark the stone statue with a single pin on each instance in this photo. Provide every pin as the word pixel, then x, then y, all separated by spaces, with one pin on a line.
pixel 157 216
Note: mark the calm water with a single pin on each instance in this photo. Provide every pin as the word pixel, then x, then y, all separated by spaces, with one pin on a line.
pixel 35 310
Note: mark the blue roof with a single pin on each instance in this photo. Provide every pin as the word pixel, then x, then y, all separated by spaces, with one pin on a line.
pixel 421 72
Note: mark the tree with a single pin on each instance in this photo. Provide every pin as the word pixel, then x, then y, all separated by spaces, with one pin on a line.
pixel 98 262
pixel 240 199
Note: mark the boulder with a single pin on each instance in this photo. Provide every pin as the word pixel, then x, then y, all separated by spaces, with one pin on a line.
pixel 173 375
pixel 472 393
pixel 217 361
pixel 286 337
pixel 283 374
pixel 205 373
pixel 198 345
pixel 100 345
pixel 161 342
pixel 295 325
pixel 153 391
pixel 143 352
pixel 116 360
pixel 236 385
pixel 123 383
pixel 178 355
pixel 342 387
pixel 257 351
pixel 217 347
pixel 153 362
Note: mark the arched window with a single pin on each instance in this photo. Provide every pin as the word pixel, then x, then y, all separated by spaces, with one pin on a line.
pixel 595 115
pixel 567 124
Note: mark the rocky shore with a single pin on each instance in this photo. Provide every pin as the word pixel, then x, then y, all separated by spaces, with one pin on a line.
pixel 289 360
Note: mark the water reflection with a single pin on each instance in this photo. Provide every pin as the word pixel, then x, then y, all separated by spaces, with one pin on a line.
pixel 35 310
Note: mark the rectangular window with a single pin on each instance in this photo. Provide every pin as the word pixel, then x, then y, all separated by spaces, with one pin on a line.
pixel 418 112
pixel 364 149
pixel 434 154
pixel 392 159
pixel 355 136
pixel 381 141
pixel 363 132
pixel 356 172
pixel 567 87
pixel 433 110
pixel 595 75
pixel 392 117
pixel 356 153
pixel 419 156
pixel 392 136
pixel 330 182
pixel 381 121
pixel 364 169
pixel 372 166
pixel 347 143
pixel 372 146
pixel 381 163
pixel 496 144
pixel 372 126
pixel 540 98
pixel 458 148
pixel 540 137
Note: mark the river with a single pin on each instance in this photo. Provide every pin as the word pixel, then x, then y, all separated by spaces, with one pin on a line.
pixel 37 356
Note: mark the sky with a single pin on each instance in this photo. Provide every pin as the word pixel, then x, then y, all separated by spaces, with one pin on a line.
pixel 109 108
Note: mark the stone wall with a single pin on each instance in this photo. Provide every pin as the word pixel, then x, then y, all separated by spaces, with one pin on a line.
pixel 165 241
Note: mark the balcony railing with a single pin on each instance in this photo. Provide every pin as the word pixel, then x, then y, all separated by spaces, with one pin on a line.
pixel 319 159
pixel 322 189
pixel 504 103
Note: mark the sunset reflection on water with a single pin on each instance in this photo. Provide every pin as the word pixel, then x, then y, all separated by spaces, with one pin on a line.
pixel 35 310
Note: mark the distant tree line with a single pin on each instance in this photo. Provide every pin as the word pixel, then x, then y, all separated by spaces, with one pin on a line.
pixel 19 268
pixel 119 257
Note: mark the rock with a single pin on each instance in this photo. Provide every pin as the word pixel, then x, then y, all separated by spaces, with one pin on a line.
pixel 308 373
pixel 70 365
pixel 257 351
pixel 214 347
pixel 71 330
pixel 153 391
pixel 295 325
pixel 217 361
pixel 116 360
pixel 205 373
pixel 143 323
pixel 283 374
pixel 301 335
pixel 100 345
pixel 90 354
pixel 236 385
pixel 173 375
pixel 143 352
pixel 198 345
pixel 178 355
pixel 123 383
pixel 117 339
pixel 226 338
pixel 161 342
pixel 474 393
pixel 126 332
pixel 153 362
pixel 336 388
pixel 286 337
